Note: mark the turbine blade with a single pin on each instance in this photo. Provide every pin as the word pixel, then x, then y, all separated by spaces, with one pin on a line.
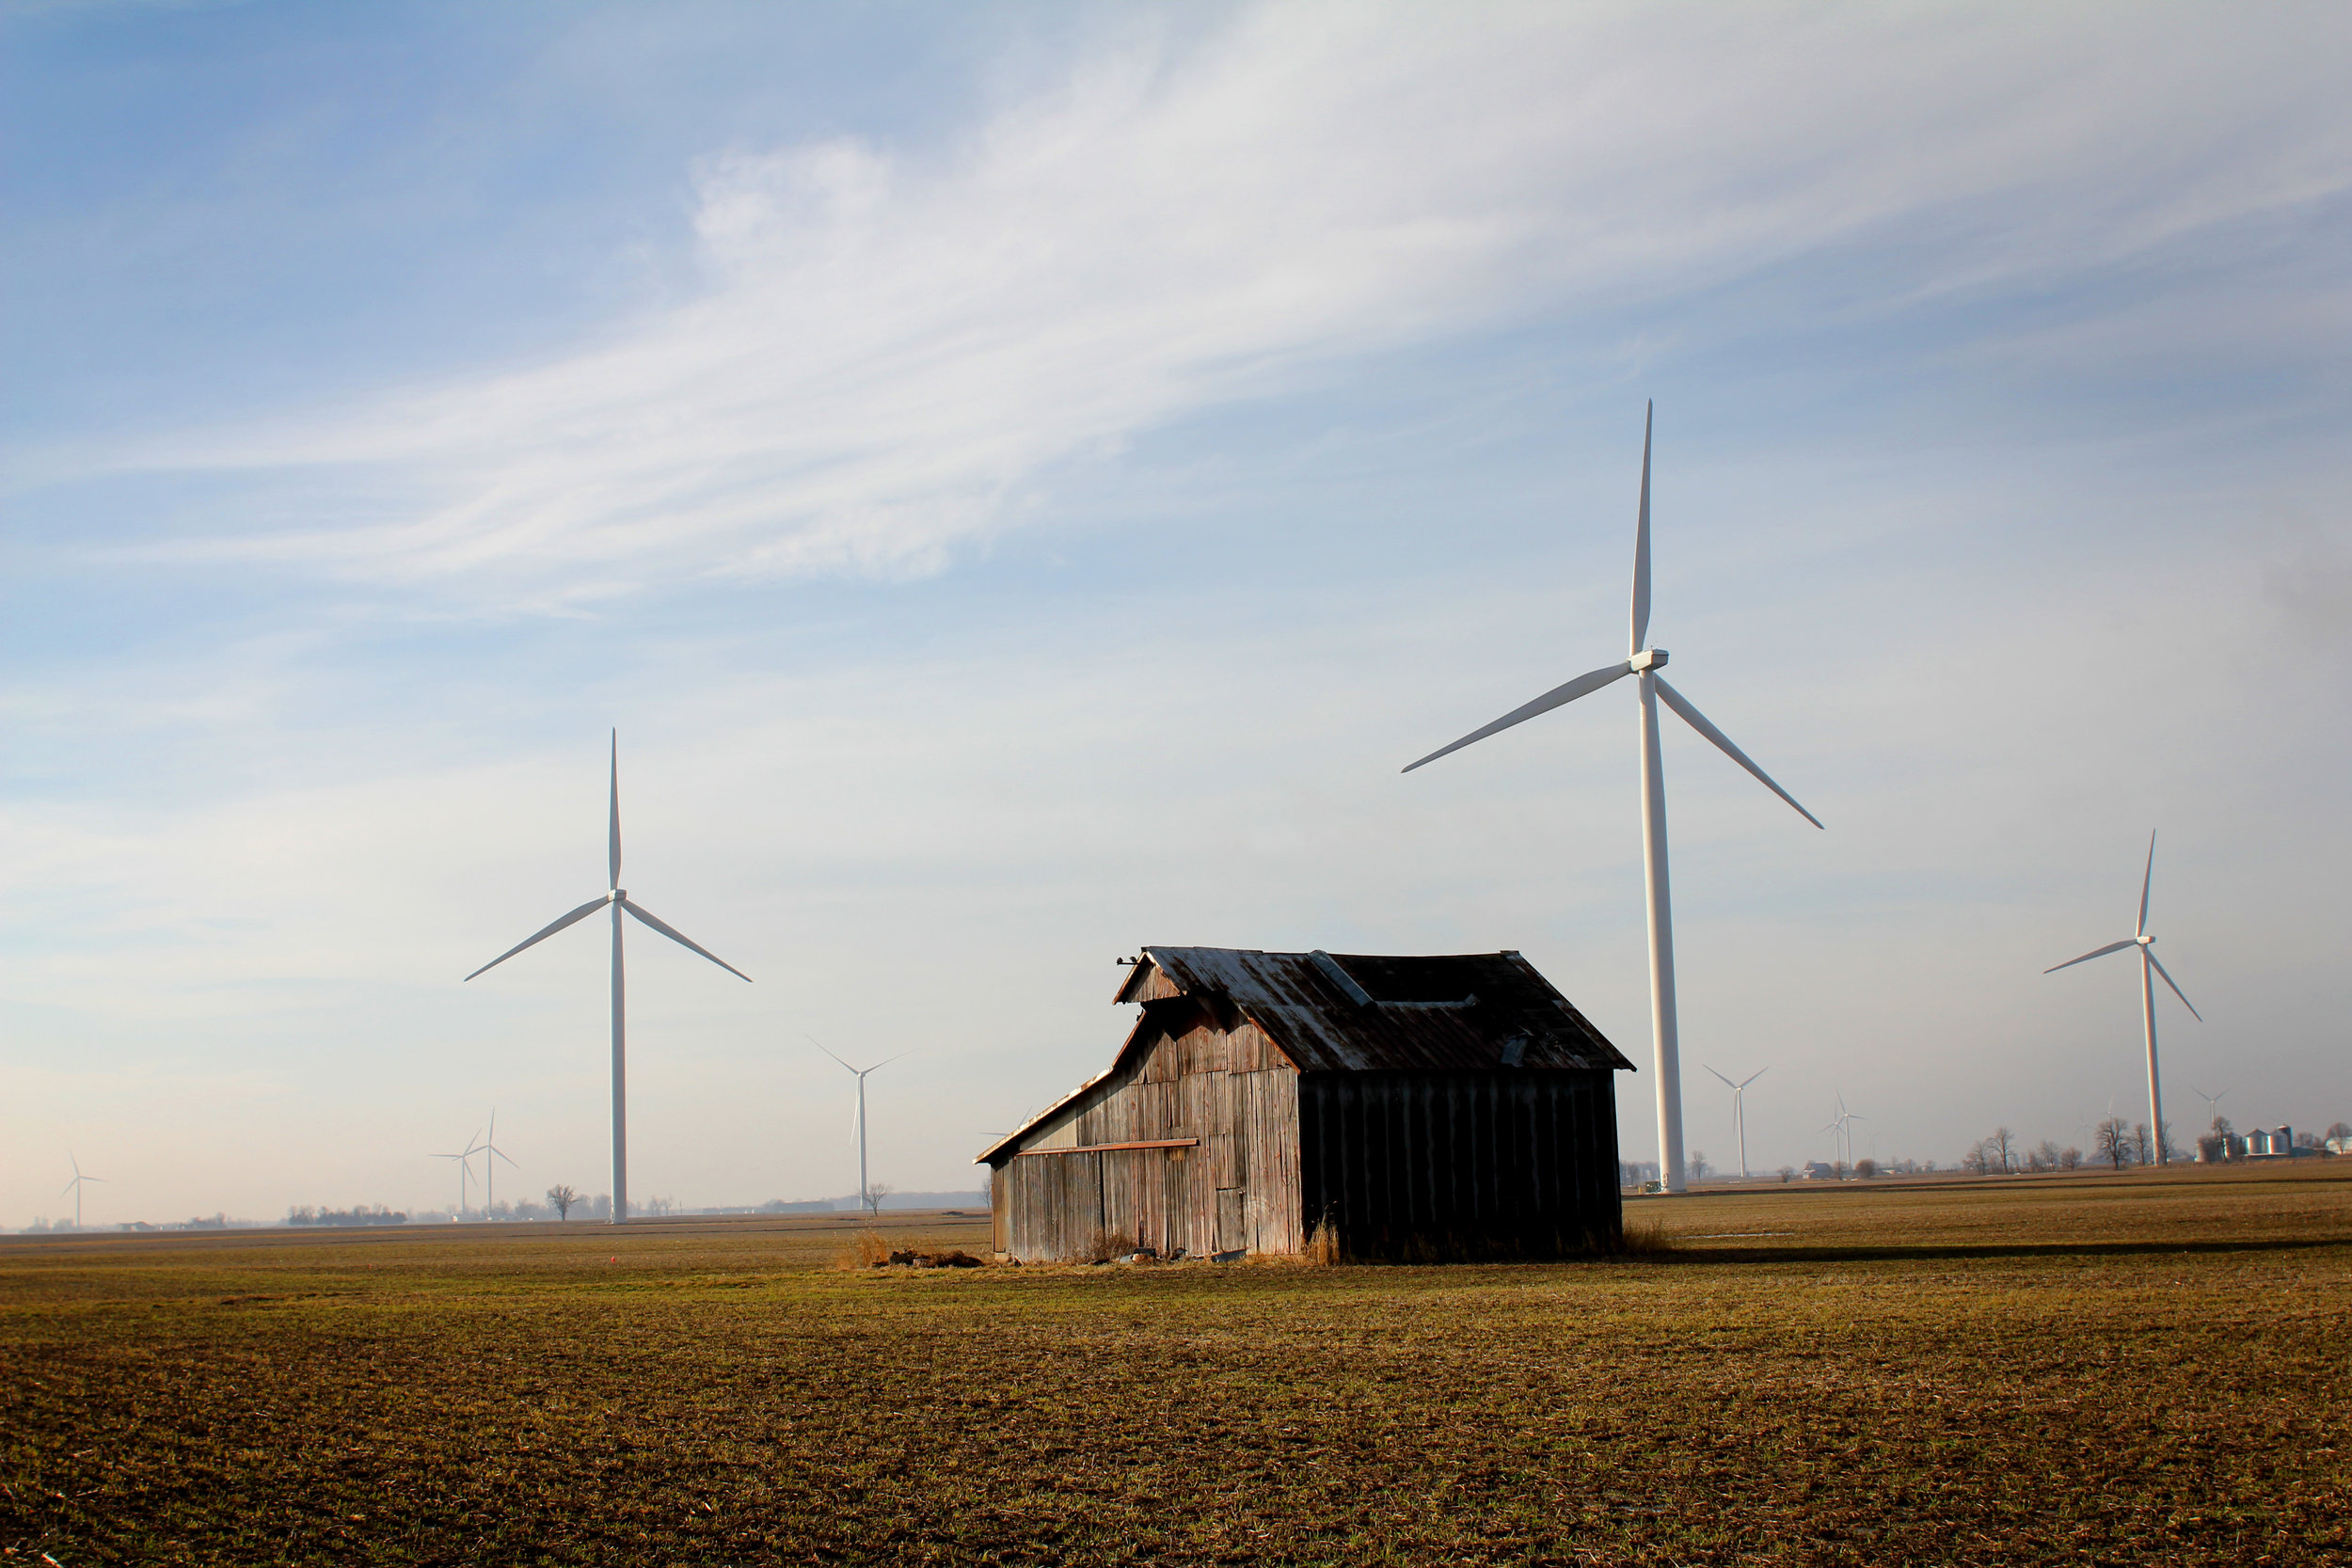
pixel 69 1186
pixel 1583 685
pixel 2177 992
pixel 581 913
pixel 501 1154
pixel 1754 1076
pixel 1698 721
pixel 2146 877
pixel 685 941
pixel 2094 953
pixel 1727 1082
pixel 615 839
pixel 820 1045
pixel 1641 542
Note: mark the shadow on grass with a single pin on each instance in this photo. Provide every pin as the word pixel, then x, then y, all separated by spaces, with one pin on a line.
pixel 1951 1251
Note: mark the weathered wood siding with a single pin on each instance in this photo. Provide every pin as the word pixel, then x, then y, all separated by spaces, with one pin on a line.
pixel 1437 1166
pixel 1237 1189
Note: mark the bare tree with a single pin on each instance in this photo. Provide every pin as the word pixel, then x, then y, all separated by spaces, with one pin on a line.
pixel 561 1197
pixel 1980 1159
pixel 2070 1157
pixel 2045 1156
pixel 2001 1148
pixel 1787 1173
pixel 875 1193
pixel 2339 1130
pixel 1866 1168
pixel 2113 1142
pixel 1698 1165
pixel 2144 1144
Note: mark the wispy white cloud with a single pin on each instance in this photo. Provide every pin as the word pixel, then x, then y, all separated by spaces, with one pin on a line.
pixel 892 348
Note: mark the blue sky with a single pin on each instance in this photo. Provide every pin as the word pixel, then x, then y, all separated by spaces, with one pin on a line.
pixel 1021 480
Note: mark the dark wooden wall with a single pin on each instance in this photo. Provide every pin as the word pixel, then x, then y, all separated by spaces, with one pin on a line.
pixel 1461 1165
pixel 1235 1189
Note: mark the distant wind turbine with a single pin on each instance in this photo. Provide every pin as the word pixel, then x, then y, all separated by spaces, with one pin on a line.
pixel 858 1126
pixel 618 900
pixel 464 1168
pixel 1840 1129
pixel 1644 664
pixel 1740 1111
pixel 2149 968
pixel 491 1154
pixel 74 1187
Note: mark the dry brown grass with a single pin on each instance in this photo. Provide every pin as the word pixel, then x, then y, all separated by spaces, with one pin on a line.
pixel 1646 1238
pixel 1102 1247
pixel 2122 1370
pixel 865 1250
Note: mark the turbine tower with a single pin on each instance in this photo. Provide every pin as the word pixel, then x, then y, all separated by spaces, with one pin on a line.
pixel 74 1187
pixel 2149 968
pixel 618 898
pixel 1645 664
pixel 862 1074
pixel 1740 1110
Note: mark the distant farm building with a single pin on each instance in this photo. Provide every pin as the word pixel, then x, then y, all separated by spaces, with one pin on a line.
pixel 1402 1107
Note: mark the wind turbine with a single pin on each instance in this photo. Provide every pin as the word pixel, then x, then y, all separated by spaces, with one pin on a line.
pixel 74 1187
pixel 1643 663
pixel 1840 1129
pixel 491 1154
pixel 2149 968
pixel 618 898
pixel 464 1168
pixel 862 1074
pixel 1739 1110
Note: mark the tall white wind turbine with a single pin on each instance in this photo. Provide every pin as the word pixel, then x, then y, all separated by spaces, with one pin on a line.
pixel 1740 1110
pixel 618 900
pixel 1644 664
pixel 2148 970
pixel 861 1074
pixel 74 1187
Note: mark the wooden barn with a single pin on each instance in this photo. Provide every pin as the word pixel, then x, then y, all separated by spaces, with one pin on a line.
pixel 1417 1107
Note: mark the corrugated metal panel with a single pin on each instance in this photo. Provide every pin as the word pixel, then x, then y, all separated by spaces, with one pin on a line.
pixel 1435 1165
pixel 1451 1011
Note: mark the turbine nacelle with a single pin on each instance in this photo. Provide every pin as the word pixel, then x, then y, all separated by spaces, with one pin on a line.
pixel 1649 659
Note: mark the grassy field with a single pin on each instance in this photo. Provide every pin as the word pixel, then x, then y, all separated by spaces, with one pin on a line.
pixel 2098 1369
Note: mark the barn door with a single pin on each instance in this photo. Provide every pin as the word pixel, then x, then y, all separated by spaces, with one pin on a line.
pixel 1233 1219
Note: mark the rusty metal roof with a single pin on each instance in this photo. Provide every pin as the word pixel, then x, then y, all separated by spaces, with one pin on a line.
pixel 1358 1012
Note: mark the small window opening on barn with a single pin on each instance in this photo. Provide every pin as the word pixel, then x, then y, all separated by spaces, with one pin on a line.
pixel 1514 1049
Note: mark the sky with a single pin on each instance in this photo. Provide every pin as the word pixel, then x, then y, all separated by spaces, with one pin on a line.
pixel 1021 480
